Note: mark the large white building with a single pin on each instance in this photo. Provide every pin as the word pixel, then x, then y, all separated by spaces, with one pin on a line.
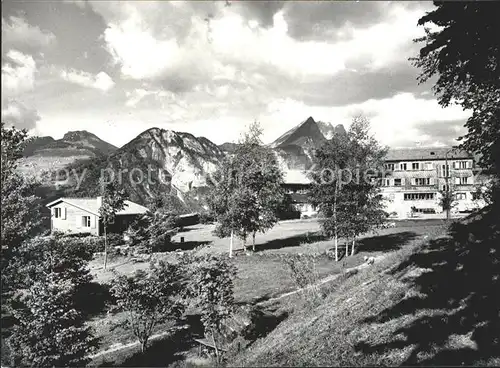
pixel 415 178
pixel 412 182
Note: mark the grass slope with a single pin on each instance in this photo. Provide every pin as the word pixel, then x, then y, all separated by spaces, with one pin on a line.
pixel 433 304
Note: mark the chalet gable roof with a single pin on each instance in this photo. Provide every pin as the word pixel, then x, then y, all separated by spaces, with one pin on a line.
pixel 92 205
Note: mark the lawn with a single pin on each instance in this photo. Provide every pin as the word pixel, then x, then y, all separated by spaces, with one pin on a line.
pixel 261 275
pixel 434 304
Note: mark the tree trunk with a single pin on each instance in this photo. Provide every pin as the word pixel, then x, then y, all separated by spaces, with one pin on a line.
pixel 143 346
pixel 105 248
pixel 353 242
pixel 215 346
pixel 336 238
pixel 447 214
pixel 346 248
pixel 336 242
pixel 231 244
pixel 253 241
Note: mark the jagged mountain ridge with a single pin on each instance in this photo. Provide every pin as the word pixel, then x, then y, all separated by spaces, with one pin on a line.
pixel 295 148
pixel 156 162
pixel 180 162
pixel 185 157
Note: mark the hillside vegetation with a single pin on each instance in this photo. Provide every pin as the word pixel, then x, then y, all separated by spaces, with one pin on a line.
pixel 435 304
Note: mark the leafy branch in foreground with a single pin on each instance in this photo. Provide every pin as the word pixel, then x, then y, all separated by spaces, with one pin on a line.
pixel 150 298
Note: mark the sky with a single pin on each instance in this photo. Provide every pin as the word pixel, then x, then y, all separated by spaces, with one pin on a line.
pixel 211 68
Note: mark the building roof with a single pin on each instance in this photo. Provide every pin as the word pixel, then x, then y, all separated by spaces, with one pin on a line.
pixel 92 205
pixel 425 153
pixel 296 177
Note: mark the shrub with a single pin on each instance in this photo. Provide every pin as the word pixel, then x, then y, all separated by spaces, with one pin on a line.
pixel 115 239
pixel 303 271
pixel 94 244
pixel 206 218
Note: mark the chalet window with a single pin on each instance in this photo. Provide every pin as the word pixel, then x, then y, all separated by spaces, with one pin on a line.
pixel 428 166
pixel 414 166
pixel 476 196
pixel 463 181
pixel 462 165
pixel 402 167
pixel 397 182
pixel 460 196
pixel 389 166
pixel 86 221
pixel 387 182
pixel 57 213
pixel 418 196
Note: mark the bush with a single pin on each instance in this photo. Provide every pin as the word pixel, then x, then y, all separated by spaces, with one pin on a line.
pixel 91 243
pixel 206 218
pixel 303 271
pixel 115 239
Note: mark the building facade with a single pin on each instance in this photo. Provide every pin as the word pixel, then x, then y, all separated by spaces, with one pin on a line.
pixel 412 182
pixel 415 178
pixel 297 184
pixel 81 215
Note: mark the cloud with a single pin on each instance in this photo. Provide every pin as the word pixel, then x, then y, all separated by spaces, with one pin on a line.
pixel 102 81
pixel 140 94
pixel 17 114
pixel 400 120
pixel 141 55
pixel 17 33
pixel 18 73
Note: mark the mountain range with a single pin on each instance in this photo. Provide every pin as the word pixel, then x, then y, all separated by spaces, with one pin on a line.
pixel 167 160
pixel 46 154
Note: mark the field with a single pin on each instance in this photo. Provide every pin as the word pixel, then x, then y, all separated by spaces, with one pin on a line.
pixel 262 280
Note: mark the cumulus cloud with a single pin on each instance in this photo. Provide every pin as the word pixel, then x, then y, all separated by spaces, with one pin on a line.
pixel 18 73
pixel 17 33
pixel 229 37
pixel 17 114
pixel 190 66
pixel 102 81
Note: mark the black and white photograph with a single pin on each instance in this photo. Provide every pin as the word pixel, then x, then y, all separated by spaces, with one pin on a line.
pixel 224 183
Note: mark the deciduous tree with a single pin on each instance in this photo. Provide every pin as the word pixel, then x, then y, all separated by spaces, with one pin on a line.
pixel 113 201
pixel 246 194
pixel 465 58
pixel 345 184
pixel 149 299
pixel 50 328
pixel 211 286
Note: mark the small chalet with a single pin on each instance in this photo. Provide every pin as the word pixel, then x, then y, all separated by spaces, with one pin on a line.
pixel 81 215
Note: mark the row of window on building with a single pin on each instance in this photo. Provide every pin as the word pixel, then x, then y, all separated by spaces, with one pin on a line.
pixel 397 182
pixel 430 196
pixel 404 166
